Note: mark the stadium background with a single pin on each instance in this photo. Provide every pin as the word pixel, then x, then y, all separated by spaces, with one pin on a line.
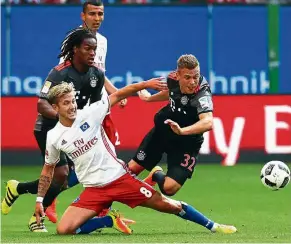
pixel 230 41
pixel 241 46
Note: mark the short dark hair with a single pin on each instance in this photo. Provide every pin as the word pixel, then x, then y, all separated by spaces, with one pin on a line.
pixel 73 39
pixel 92 2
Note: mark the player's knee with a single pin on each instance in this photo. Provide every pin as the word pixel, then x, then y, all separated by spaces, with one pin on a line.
pixel 168 192
pixel 134 167
pixel 64 230
pixel 170 189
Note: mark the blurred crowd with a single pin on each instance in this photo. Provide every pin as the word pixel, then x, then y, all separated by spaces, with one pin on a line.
pixel 140 1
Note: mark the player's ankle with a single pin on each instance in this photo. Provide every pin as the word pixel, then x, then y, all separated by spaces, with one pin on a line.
pixel 214 227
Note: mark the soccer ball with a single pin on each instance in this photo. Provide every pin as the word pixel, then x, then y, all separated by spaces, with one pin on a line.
pixel 275 175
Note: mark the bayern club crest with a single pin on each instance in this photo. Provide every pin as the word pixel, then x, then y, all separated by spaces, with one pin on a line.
pixel 184 100
pixel 141 155
pixel 93 81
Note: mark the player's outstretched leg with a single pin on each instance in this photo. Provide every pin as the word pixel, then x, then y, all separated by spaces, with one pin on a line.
pixel 112 220
pixel 190 213
pixel 164 204
pixel 14 189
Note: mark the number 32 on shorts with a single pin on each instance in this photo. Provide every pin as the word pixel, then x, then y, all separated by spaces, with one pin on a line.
pixel 188 162
pixel 146 192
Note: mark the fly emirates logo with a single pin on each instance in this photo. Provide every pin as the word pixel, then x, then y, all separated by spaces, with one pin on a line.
pixel 82 147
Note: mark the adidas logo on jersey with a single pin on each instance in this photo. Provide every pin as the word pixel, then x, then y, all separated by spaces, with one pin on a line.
pixel 64 142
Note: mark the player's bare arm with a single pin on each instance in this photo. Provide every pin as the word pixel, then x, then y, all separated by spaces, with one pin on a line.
pixel 45 109
pixel 45 180
pixel 160 96
pixel 110 88
pixel 204 124
pixel 155 83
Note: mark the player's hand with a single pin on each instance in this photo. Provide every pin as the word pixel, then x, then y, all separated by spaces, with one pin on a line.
pixel 122 103
pixel 174 126
pixel 144 95
pixel 39 212
pixel 158 84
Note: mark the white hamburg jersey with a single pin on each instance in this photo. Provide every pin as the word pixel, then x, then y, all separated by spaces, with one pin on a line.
pixel 87 145
pixel 101 52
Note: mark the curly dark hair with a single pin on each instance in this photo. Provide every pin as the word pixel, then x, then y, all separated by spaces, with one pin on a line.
pixel 73 39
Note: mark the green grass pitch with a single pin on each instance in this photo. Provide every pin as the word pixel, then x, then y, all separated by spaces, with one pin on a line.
pixel 230 195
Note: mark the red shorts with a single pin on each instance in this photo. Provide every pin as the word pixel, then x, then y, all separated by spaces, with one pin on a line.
pixel 111 130
pixel 127 189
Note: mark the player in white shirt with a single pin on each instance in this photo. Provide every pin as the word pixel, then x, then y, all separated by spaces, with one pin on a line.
pixel 92 17
pixel 80 135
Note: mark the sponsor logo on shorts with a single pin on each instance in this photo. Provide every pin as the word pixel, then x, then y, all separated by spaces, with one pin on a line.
pixel 141 155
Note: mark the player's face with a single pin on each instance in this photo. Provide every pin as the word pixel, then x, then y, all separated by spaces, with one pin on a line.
pixel 93 17
pixel 86 52
pixel 188 79
pixel 67 107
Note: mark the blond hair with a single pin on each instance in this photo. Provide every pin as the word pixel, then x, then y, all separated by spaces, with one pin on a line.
pixel 58 91
pixel 187 61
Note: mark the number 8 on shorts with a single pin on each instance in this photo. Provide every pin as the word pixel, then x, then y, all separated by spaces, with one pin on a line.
pixel 146 192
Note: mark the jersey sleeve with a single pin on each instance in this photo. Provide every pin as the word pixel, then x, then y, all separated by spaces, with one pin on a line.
pixel 98 110
pixel 52 154
pixel 203 101
pixel 61 60
pixel 54 78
